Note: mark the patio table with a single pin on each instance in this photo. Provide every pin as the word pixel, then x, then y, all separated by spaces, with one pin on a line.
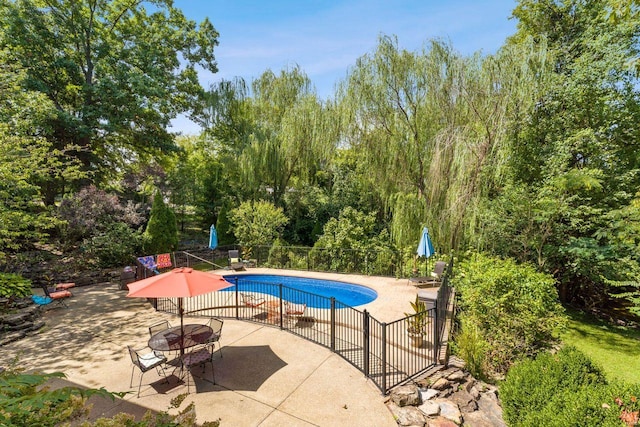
pixel 169 339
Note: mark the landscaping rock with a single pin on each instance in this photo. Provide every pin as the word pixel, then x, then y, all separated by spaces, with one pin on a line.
pixel 440 384
pixel 406 395
pixel 430 409
pixel 457 376
pixel 408 415
pixel 428 394
pixel 449 410
pixel 464 400
pixel 440 422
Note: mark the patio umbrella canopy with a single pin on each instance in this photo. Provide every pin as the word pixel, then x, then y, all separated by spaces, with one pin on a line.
pixel 425 247
pixel 178 283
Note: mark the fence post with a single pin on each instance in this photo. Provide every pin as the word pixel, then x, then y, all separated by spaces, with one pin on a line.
pixel 281 302
pixel 436 332
pixel 332 313
pixel 366 344
pixel 384 357
pixel 235 279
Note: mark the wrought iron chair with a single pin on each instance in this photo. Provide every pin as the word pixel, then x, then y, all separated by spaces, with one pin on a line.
pixel 146 362
pixel 235 262
pixel 199 357
pixel 215 324
pixel 159 327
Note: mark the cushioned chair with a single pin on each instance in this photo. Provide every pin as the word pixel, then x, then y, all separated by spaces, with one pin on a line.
pixel 434 279
pixel 58 296
pixel 215 324
pixel 198 357
pixel 235 262
pixel 146 362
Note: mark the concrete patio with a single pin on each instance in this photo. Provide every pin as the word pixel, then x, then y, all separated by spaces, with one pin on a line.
pixel 265 377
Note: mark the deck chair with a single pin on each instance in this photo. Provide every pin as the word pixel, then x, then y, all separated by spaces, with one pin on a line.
pixel 251 301
pixel 198 357
pixel 146 362
pixel 58 296
pixel 235 262
pixel 293 312
pixel 434 279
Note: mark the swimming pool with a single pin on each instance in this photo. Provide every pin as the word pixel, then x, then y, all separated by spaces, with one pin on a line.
pixel 347 293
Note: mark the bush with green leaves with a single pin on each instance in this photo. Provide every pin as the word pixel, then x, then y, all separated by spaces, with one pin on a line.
pixel 351 241
pixel 565 389
pixel 161 234
pixel 257 223
pixel 116 246
pixel 514 308
pixel 14 286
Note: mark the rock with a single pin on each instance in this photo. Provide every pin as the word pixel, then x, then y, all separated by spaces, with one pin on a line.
pixel 464 400
pixel 480 419
pixel 491 409
pixel 473 391
pixel 457 376
pixel 407 415
pixel 441 422
pixel 430 409
pixel 446 392
pixel 441 384
pixel 449 410
pixel 456 362
pixel 406 395
pixel 428 394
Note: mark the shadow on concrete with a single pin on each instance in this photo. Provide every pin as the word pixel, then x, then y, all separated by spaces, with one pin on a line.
pixel 246 367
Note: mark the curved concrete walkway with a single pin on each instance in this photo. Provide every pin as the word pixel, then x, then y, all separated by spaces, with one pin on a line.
pixel 265 377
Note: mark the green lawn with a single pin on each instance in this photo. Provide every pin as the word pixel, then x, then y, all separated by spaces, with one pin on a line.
pixel 615 348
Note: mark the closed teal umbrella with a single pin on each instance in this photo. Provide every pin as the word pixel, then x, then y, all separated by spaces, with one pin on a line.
pixel 425 247
pixel 213 237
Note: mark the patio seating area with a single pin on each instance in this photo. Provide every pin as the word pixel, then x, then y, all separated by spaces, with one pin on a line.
pixel 266 377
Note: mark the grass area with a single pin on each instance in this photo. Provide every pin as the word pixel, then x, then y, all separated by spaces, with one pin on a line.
pixel 616 349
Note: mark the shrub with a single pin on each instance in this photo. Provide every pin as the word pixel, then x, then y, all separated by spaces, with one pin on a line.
pixel 257 223
pixel 116 246
pixel 565 389
pixel 472 348
pixel 91 211
pixel 14 286
pixel 161 234
pixel 514 307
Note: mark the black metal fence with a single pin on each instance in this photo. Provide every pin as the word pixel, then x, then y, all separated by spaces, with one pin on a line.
pixel 387 353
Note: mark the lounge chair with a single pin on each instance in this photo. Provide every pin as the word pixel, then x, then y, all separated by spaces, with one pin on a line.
pixel 58 296
pixel 294 311
pixel 146 362
pixel 434 279
pixel 235 262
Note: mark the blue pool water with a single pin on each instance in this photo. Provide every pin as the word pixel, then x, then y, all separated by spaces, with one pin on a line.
pixel 346 293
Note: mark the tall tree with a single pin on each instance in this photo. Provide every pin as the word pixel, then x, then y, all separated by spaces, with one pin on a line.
pixel 116 73
pixel 433 125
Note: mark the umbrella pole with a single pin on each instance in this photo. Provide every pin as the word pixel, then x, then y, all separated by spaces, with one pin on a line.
pixel 181 310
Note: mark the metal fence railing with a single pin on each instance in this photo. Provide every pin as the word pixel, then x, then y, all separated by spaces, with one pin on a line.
pixel 385 352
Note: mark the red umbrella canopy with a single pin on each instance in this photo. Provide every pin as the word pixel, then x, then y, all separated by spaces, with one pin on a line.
pixel 179 282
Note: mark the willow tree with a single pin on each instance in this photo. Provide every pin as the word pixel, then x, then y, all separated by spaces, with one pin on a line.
pixel 431 126
pixel 293 134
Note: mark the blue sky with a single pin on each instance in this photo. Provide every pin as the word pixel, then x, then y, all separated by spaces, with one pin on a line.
pixel 326 37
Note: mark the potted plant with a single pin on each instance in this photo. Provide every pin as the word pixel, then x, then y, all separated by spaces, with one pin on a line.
pixel 417 322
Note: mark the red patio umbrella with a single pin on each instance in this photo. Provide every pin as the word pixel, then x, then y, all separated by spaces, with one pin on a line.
pixel 178 283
